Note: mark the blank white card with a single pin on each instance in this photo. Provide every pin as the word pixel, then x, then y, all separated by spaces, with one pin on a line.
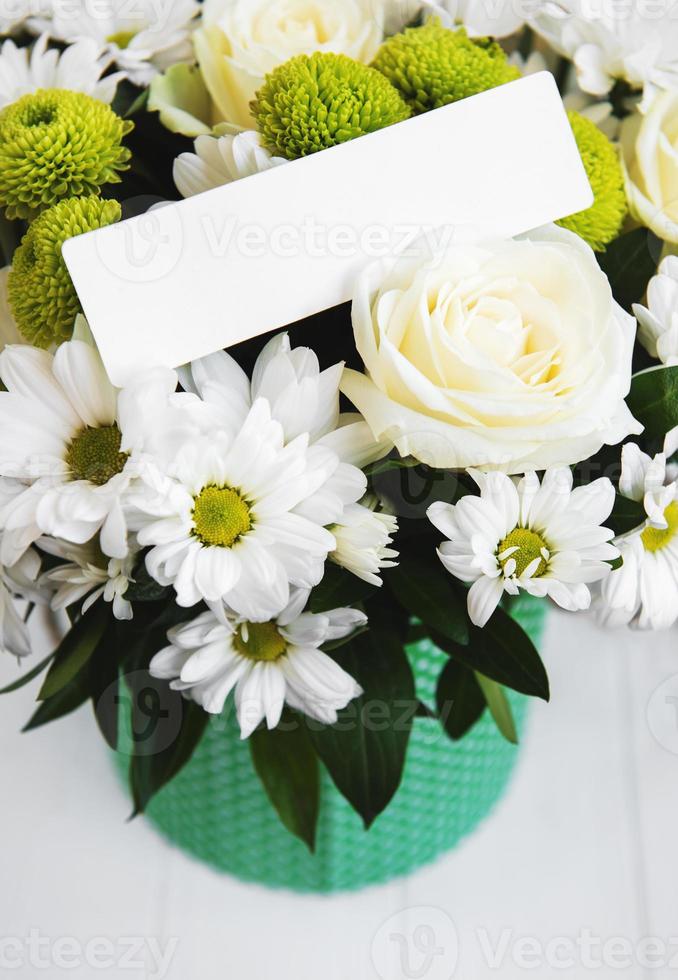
pixel 193 277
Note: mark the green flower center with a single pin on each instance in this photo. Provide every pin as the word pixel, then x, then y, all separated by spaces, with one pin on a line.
pixel 39 115
pixel 220 517
pixel 260 641
pixel 122 39
pixel 94 454
pixel 529 545
pixel 654 539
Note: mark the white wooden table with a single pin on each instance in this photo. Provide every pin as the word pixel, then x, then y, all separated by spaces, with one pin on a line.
pixel 575 869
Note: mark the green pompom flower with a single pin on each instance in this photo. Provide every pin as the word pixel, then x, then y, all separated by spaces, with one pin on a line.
pixel 432 66
pixel 601 223
pixel 313 102
pixel 41 295
pixel 56 144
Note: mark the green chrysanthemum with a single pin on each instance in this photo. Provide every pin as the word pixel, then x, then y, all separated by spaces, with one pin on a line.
pixel 432 66
pixel 56 144
pixel 601 223
pixel 313 102
pixel 42 297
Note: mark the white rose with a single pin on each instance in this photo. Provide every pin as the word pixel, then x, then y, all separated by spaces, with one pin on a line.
pixel 650 157
pixel 243 40
pixel 510 355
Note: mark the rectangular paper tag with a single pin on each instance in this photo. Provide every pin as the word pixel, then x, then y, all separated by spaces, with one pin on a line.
pixel 190 278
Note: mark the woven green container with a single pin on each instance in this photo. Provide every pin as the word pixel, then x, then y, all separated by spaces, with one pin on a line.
pixel 217 810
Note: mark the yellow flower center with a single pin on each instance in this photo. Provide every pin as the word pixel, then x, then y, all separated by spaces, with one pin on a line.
pixel 94 454
pixel 654 538
pixel 529 545
pixel 260 641
pixel 220 517
pixel 122 39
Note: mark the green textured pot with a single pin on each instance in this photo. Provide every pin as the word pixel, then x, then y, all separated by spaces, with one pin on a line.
pixel 217 811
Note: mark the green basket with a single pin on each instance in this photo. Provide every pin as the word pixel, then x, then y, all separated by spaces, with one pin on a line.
pixel 217 811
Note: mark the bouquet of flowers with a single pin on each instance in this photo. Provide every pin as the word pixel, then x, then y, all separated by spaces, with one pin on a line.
pixel 268 529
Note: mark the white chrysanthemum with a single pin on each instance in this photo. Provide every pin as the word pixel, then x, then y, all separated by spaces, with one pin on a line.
pixel 658 322
pixel 305 401
pixel 17 14
pixel 543 538
pixel 481 19
pixel 236 516
pixel 303 398
pixel 143 37
pixel 78 68
pixel 88 574
pixel 19 582
pixel 220 160
pixel 65 434
pixel 643 593
pixel 363 541
pixel 269 664
pixel 615 40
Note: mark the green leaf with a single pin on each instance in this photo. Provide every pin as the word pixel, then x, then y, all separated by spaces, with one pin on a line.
pixel 653 400
pixel 629 263
pixel 365 750
pixel 499 706
pixel 426 590
pixel 389 464
pixel 287 765
pixel 165 736
pixel 129 99
pixel 503 651
pixel 104 674
pixel 27 678
pixel 460 701
pixel 66 700
pixel 139 104
pixel 339 588
pixel 75 649
pixel 626 515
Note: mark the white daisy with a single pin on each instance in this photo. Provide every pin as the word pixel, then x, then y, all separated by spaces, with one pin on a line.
pixel 19 13
pixel 78 68
pixel 305 401
pixel 88 574
pixel 544 538
pixel 480 18
pixel 143 37
pixel 220 160
pixel 363 542
pixel 65 436
pixel 232 517
pixel 18 583
pixel 644 592
pixel 269 664
pixel 617 40
pixel 658 322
